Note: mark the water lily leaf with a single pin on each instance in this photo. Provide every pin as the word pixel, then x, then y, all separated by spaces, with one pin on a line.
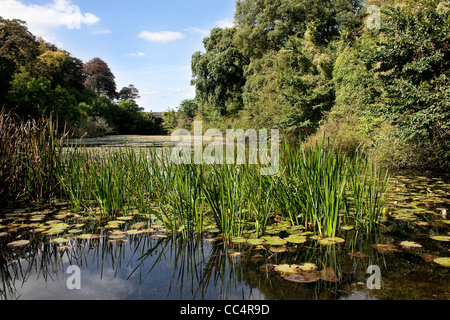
pixel 329 275
pixel 238 240
pixel 18 243
pixel 386 247
pixel 276 241
pixel 358 254
pixel 443 261
pixel 139 225
pixel 410 244
pixel 301 277
pixel 125 218
pixel 277 249
pixel 307 266
pixel 441 238
pixel 87 236
pixel 286 268
pixel 331 240
pixel 295 239
pixel 347 228
pixel 117 236
pixel 255 242
pixel 2 234
pixel 134 232
pixel 59 240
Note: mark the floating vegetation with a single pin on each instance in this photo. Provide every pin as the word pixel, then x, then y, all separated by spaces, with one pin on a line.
pixel 410 244
pixel 332 240
pixel 441 238
pixel 443 261
pixel 18 243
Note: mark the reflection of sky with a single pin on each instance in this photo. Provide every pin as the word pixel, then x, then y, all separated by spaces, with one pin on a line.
pixel 119 275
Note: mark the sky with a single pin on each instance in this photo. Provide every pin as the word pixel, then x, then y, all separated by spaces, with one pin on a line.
pixel 147 43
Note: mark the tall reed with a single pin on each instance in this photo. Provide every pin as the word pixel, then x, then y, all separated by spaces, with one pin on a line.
pixel 29 159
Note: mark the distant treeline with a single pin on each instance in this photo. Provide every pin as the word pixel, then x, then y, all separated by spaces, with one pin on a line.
pixel 372 74
pixel 38 79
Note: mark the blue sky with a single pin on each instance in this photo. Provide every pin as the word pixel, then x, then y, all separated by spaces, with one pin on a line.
pixel 148 43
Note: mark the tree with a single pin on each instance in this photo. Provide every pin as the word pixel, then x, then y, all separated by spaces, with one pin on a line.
pixel 18 47
pixel 129 93
pixel 218 74
pixel 265 25
pixel 412 61
pixel 99 78
pixel 291 89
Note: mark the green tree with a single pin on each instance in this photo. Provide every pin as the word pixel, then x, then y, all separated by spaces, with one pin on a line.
pixel 291 89
pixel 218 73
pixel 412 61
pixel 265 25
pixel 18 48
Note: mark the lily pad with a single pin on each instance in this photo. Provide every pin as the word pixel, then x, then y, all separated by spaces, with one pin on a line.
pixel 347 228
pixel 329 275
pixel 307 266
pixel 134 232
pixel 125 218
pixel 18 243
pixel 295 239
pixel 410 244
pixel 286 268
pixel 386 247
pixel 255 242
pixel 59 240
pixel 276 241
pixel 88 236
pixel 441 238
pixel 331 240
pixel 301 277
pixel 238 239
pixel 443 261
pixel 277 249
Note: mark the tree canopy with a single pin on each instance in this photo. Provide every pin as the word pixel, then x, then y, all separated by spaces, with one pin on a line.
pixel 37 78
pixel 314 67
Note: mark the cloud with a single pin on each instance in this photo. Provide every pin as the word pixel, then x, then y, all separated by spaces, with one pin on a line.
pixel 136 54
pixel 103 31
pixel 197 30
pixel 41 19
pixel 174 89
pixel 164 36
pixel 225 23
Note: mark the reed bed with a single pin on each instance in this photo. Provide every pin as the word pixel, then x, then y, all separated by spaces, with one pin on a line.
pixel 318 187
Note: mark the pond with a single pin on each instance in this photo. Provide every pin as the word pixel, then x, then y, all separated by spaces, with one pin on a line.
pixel 134 258
pixel 54 252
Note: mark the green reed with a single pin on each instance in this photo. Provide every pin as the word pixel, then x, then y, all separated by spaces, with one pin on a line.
pixel 318 186
pixel 29 159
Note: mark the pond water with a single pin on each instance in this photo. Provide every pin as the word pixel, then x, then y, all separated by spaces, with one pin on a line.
pixel 134 258
pixel 55 253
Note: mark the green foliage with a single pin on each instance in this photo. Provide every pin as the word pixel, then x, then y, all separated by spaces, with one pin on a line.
pixel 37 79
pixel 291 89
pixel 218 73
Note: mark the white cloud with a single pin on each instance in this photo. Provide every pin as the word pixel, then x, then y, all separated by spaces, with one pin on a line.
pixel 225 23
pixel 41 19
pixel 102 31
pixel 164 36
pixel 136 54
pixel 198 30
pixel 174 89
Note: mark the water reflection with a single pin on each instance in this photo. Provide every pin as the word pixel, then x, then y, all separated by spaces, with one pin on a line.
pixel 146 266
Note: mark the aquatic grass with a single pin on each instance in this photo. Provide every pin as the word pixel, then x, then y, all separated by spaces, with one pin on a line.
pixel 223 189
pixel 29 158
